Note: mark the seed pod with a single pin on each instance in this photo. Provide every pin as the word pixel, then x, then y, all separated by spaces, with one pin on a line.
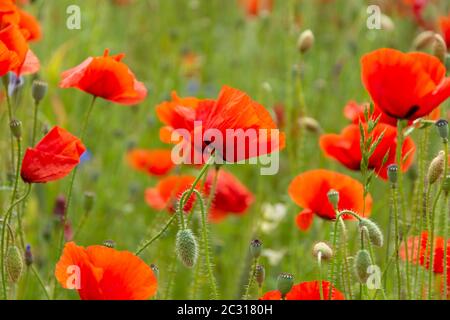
pixel 305 41
pixel 285 281
pixel 260 275
pixel 436 168
pixel 327 252
pixel 16 128
pixel 14 263
pixel 362 263
pixel 333 198
pixel 392 173
pixel 109 243
pixel 423 40
pixel 439 47
pixel 39 90
pixel 186 247
pixel 442 127
pixel 28 256
pixel 375 235
pixel 255 248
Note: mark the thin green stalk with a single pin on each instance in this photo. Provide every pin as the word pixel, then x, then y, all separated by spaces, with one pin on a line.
pixel 2 251
pixel 432 218
pixel 250 279
pixel 35 121
pixel 205 239
pixel 157 236
pixel 396 239
pixel 10 116
pixel 319 264
pixel 445 213
pixel 40 281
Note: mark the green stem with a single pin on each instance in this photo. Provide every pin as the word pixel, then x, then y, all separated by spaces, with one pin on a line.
pixel 432 217
pixel 157 236
pixel 396 239
pixel 35 121
pixel 41 282
pixel 319 263
pixel 10 116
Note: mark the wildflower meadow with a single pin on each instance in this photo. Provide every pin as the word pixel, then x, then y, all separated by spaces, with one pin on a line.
pixel 224 150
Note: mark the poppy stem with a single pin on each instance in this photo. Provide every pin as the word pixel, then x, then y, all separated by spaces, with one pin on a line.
pixel 10 116
pixel 250 279
pixel 35 121
pixel 157 236
pixel 432 220
pixel 4 227
pixel 319 264
pixel 40 281
pixel 396 237
pixel 446 271
pixel 206 247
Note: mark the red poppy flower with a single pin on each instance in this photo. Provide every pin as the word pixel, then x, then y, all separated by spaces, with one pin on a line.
pixel 405 85
pixel 8 13
pixel 103 273
pixel 231 195
pixel 106 77
pixel 417 251
pixel 153 162
pixel 29 26
pixel 444 24
pixel 168 191
pixel 346 148
pixel 31 65
pixel 309 191
pixel 254 133
pixel 53 158
pixel 256 8
pixel 356 113
pixel 307 291
pixel 13 50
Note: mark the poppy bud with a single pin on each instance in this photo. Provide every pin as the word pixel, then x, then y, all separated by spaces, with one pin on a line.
pixel 442 127
pixel 305 41
pixel 439 47
pixel 89 199
pixel 375 234
pixel 39 90
pixel 333 198
pixel 260 275
pixel 285 282
pixel 255 248
pixel 387 23
pixel 310 124
pixel 324 249
pixel 28 256
pixel 392 173
pixel 186 247
pixel 109 243
pixel 446 184
pixel 155 270
pixel 436 168
pixel 16 128
pixel 362 263
pixel 14 263
pixel 423 40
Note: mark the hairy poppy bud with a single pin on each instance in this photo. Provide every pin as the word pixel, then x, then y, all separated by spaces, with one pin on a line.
pixel 310 124
pixel 285 282
pixel 375 234
pixel 333 198
pixel 89 199
pixel 186 247
pixel 392 173
pixel 39 90
pixel 109 243
pixel 28 256
pixel 423 40
pixel 305 41
pixel 14 263
pixel 16 128
pixel 442 127
pixel 155 270
pixel 255 248
pixel 439 47
pixel 260 275
pixel 324 249
pixel 362 263
pixel 436 168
